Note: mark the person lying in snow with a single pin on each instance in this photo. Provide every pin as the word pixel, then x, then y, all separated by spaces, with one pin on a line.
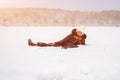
pixel 71 41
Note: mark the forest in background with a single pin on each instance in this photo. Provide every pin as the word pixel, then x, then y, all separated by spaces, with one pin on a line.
pixel 57 17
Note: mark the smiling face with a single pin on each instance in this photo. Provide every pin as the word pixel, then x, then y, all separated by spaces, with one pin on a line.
pixel 79 33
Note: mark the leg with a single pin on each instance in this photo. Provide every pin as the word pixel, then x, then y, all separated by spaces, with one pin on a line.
pixel 42 44
pixel 58 43
pixel 30 43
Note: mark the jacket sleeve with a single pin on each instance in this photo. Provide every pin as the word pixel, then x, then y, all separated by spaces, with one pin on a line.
pixel 66 38
pixel 63 41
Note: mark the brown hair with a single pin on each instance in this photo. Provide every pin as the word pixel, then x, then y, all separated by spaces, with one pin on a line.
pixel 74 31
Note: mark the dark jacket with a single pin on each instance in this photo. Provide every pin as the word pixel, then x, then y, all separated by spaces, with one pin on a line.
pixel 68 42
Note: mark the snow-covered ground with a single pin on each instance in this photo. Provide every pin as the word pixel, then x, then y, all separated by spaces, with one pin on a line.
pixel 98 60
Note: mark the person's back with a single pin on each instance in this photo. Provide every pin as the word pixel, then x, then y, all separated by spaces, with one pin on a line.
pixel 70 41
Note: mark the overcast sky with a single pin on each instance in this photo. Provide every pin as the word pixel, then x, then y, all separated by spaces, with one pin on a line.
pixel 63 4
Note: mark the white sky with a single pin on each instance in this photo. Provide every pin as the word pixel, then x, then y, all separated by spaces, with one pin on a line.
pixel 64 4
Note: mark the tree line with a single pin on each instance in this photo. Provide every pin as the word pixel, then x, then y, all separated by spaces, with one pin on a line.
pixel 57 17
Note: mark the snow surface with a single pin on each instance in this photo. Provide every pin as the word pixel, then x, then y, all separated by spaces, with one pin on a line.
pixel 98 60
